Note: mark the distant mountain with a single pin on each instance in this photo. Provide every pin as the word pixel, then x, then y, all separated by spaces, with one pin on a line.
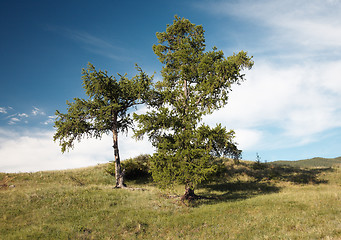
pixel 313 162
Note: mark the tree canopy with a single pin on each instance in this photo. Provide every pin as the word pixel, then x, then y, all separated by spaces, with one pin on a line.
pixel 194 83
pixel 105 110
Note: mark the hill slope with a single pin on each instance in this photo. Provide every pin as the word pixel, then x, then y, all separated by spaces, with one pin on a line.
pixel 251 202
pixel 313 162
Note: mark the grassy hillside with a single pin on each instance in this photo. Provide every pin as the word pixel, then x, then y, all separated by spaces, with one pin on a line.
pixel 313 162
pixel 251 202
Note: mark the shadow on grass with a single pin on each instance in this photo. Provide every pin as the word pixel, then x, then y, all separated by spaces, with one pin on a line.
pixel 139 181
pixel 263 171
pixel 235 191
pixel 261 179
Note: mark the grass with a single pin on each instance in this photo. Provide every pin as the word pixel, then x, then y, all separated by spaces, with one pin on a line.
pixel 249 202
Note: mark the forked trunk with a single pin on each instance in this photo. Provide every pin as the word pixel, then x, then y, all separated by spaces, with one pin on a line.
pixel 119 174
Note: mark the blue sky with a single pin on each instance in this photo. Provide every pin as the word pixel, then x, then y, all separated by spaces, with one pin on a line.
pixel 289 107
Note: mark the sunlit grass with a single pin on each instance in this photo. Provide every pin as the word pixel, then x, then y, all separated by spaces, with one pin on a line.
pixel 82 204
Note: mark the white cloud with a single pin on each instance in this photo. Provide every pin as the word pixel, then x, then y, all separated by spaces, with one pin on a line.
pixel 3 110
pixel 313 23
pixel 292 95
pixel 129 147
pixel 13 120
pixel 19 117
pixel 298 102
pixel 50 120
pixel 248 138
pixel 23 115
pixel 308 28
pixel 36 111
pixel 35 151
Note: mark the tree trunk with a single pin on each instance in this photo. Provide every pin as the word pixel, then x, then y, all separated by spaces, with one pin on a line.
pixel 119 174
pixel 189 193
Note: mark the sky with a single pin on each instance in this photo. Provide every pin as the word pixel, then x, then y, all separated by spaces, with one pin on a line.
pixel 287 109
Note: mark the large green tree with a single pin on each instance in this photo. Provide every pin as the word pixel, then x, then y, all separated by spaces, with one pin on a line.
pixel 105 110
pixel 194 83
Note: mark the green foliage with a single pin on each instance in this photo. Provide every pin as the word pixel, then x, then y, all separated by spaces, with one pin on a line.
pixel 200 79
pixel 200 148
pixel 106 108
pixel 135 168
pixel 218 142
pixel 194 83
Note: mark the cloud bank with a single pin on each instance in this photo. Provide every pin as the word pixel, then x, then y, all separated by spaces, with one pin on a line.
pixel 292 95
pixel 294 104
pixel 32 151
pixel 309 25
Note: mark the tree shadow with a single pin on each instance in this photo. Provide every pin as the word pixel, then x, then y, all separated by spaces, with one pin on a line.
pixel 284 173
pixel 234 191
pixel 140 181
pixel 259 178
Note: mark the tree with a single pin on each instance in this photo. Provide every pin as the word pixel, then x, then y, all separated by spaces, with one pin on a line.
pixel 194 83
pixel 105 110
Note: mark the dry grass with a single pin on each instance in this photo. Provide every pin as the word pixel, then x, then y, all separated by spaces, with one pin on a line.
pixel 249 203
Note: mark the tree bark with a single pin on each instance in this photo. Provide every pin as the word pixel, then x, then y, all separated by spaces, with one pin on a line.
pixel 119 174
pixel 189 193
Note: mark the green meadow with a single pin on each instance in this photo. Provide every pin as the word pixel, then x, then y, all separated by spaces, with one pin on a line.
pixel 249 201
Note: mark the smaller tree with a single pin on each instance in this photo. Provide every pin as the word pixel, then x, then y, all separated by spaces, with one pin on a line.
pixel 105 110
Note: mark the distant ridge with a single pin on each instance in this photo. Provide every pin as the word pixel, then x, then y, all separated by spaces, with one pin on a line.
pixel 312 162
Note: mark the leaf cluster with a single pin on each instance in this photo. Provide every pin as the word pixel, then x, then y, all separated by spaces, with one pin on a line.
pixel 105 110
pixel 194 83
pixel 190 156
pixel 193 76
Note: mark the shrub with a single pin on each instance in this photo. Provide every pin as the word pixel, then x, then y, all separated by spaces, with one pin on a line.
pixel 135 168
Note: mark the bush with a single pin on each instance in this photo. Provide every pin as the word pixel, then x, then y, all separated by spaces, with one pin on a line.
pixel 135 168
